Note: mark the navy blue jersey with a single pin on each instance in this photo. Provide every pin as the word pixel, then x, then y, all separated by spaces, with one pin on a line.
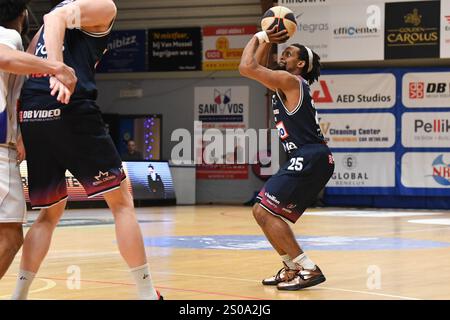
pixel 82 51
pixel 301 126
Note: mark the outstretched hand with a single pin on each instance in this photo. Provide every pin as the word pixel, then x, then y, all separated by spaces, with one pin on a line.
pixel 59 88
pixel 276 36
pixel 64 82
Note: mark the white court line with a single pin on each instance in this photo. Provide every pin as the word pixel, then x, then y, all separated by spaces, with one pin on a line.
pixel 411 231
pixel 49 284
pixel 76 254
pixel 259 281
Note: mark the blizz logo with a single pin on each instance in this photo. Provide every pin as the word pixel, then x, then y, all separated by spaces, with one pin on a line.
pixel 441 171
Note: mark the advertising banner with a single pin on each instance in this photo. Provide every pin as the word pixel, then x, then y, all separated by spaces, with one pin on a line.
pixel 331 28
pixel 358 130
pixel 222 108
pixel 176 49
pixel 223 46
pixel 426 170
pixel 363 169
pixel 412 30
pixel 126 52
pixel 354 91
pixel 426 129
pixel 426 90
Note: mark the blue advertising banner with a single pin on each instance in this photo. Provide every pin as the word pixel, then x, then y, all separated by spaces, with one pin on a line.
pixel 389 131
pixel 126 52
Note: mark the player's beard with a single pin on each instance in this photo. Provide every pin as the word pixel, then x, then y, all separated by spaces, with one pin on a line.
pixel 280 66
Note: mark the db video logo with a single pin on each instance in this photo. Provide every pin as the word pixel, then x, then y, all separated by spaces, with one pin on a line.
pixel 417 90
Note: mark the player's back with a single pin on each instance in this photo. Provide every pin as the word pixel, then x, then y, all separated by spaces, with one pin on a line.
pixel 82 51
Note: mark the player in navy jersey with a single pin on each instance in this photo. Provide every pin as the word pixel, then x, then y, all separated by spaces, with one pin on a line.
pixel 63 132
pixel 13 65
pixel 287 194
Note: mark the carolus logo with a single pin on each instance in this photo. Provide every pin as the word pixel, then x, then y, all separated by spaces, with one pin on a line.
pixel 441 171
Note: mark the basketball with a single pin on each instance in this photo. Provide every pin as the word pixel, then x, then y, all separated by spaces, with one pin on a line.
pixel 279 16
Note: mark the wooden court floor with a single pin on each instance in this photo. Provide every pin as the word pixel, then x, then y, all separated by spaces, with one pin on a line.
pixel 218 252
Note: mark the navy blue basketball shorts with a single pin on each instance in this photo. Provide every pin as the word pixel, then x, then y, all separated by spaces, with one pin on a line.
pixel 296 185
pixel 59 138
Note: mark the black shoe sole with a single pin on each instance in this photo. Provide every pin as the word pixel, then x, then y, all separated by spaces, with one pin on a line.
pixel 274 283
pixel 311 283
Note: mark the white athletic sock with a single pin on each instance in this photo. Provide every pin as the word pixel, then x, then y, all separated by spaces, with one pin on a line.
pixel 288 261
pixel 24 280
pixel 144 283
pixel 305 262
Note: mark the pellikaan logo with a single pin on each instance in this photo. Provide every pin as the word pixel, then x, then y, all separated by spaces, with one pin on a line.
pixel 102 178
pixel 441 171
pixel 310 27
pixel 355 32
pixel 421 90
pixel 434 126
pixel 323 95
pixel 39 115
pixel 221 103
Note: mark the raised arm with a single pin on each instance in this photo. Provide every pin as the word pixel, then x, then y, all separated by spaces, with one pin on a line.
pixel 250 68
pixel 262 53
pixel 89 15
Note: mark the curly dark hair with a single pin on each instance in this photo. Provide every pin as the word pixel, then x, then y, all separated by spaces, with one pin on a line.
pixel 11 10
pixel 314 74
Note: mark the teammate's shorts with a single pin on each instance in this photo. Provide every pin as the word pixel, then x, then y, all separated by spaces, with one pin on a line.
pixel 296 185
pixel 59 138
pixel 12 199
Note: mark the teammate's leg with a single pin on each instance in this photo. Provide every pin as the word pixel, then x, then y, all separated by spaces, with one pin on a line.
pixel 129 240
pixel 11 236
pixel 35 247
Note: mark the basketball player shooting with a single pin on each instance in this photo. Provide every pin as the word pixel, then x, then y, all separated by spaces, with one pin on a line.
pixel 13 64
pixel 72 136
pixel 287 194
